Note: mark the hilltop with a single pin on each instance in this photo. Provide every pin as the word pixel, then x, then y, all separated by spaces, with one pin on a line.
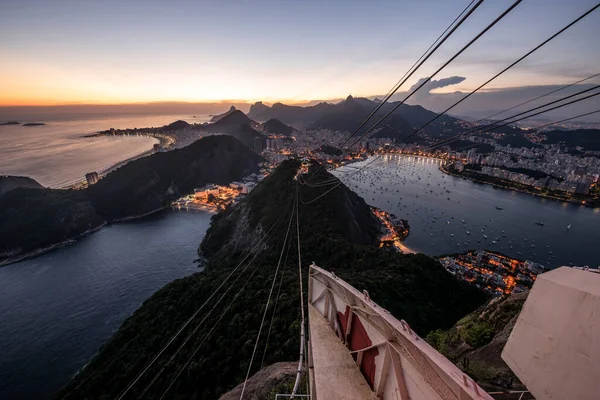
pixel 216 118
pixel 8 182
pixel 34 218
pixel 177 125
pixel 238 125
pixel 276 127
pixel 339 233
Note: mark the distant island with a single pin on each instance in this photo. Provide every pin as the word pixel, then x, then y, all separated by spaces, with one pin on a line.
pixel 10 123
pixel 34 124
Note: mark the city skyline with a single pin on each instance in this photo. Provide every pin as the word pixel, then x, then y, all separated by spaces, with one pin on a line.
pixel 113 53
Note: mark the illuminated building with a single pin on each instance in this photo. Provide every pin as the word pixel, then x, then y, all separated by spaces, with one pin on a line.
pixel 92 178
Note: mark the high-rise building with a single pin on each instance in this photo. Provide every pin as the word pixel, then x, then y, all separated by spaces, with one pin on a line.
pixel 92 178
pixel 472 156
pixel 583 187
pixel 547 182
pixel 258 146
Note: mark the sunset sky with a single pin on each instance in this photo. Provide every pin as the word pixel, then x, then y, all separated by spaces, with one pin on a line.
pixel 81 51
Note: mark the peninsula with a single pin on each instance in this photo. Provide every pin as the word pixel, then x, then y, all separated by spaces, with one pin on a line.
pixel 38 218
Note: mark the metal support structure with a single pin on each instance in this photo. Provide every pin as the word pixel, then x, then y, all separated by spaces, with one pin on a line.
pixel 393 363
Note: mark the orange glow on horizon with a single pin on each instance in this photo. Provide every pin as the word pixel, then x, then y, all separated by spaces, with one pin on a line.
pixel 49 102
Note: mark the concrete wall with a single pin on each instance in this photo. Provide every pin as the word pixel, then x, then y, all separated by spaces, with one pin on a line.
pixel 554 347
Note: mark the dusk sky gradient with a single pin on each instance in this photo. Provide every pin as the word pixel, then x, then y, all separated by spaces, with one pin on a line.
pixel 61 52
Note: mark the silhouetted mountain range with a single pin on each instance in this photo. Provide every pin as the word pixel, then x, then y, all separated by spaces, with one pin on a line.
pixel 293 115
pixel 346 115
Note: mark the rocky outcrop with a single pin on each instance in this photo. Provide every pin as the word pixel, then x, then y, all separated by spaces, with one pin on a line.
pixel 266 383
pixel 475 343
pixel 219 117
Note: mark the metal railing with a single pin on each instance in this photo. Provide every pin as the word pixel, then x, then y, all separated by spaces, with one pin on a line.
pixel 397 355
pixel 512 394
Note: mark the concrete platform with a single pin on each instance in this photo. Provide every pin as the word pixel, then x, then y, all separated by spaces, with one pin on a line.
pixel 336 375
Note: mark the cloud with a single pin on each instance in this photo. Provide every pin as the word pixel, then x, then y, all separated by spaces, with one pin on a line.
pixel 491 101
pixel 436 84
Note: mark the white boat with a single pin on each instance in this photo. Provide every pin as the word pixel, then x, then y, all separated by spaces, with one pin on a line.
pixel 569 227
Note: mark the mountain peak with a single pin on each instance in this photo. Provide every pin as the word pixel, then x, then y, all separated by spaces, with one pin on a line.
pixel 235 117
pixel 275 126
pixel 351 104
pixel 218 117
pixel 177 125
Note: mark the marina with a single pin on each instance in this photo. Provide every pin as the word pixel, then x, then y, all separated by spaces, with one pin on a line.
pixel 499 220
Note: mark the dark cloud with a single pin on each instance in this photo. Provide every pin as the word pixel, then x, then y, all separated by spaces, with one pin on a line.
pixel 485 103
pixel 436 84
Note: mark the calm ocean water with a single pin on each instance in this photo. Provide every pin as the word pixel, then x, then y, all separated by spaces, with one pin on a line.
pixel 435 205
pixel 56 154
pixel 56 310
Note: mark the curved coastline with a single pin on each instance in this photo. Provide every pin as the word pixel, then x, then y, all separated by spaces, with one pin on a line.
pixel 109 169
pixel 164 139
pixel 44 250
pixel 544 196
pixel 68 242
